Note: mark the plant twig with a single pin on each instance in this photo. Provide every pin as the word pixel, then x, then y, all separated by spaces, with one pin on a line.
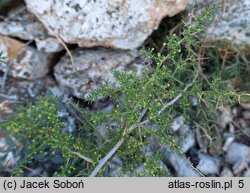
pixel 80 155
pixel 194 168
pixel 179 95
pixel 34 171
pixel 173 101
pixel 117 146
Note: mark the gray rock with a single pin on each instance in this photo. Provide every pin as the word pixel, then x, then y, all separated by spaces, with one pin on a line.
pixel 91 68
pixel 8 157
pixel 239 156
pixel 226 172
pixel 186 138
pixel 48 45
pixel 245 106
pixel 17 92
pixel 194 100
pixel 229 140
pixel 225 118
pixel 208 165
pixel 246 115
pixel 230 23
pixel 23 61
pixel 247 173
pixel 140 170
pixel 22 24
pixel 177 123
pixel 114 23
pixel 182 166
pixel 115 166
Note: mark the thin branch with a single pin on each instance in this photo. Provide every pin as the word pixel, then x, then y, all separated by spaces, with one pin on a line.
pixel 106 158
pixel 194 168
pixel 179 95
pixel 173 101
pixel 71 110
pixel 117 146
pixel 81 156
pixel 65 47
pixel 34 171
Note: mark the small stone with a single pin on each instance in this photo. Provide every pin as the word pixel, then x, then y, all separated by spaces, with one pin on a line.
pixel 23 61
pixel 177 123
pixel 49 45
pixel 245 106
pixel 186 138
pixel 148 151
pixel 71 124
pixel 239 156
pixel 182 166
pixel 55 91
pixel 115 166
pixel 247 173
pixel 10 160
pixel 225 118
pixel 7 157
pixel 228 142
pixel 194 100
pixel 17 92
pixel 226 172
pixel 140 170
pixel 208 165
pixel 22 24
pixel 201 140
pixel 246 115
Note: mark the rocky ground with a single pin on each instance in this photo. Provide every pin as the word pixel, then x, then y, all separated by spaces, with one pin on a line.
pixel 46 52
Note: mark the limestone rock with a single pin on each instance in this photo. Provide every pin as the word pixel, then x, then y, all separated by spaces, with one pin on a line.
pixel 91 68
pixel 114 23
pixel 24 25
pixel 230 23
pixel 23 61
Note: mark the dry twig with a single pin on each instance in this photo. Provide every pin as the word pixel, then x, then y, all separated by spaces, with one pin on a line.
pixel 80 155
pixel 117 146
